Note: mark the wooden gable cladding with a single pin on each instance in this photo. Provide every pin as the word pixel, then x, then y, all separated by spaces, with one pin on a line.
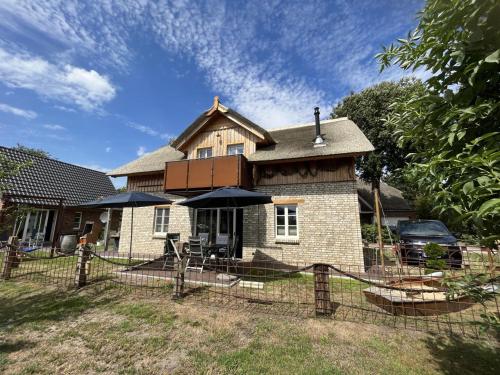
pixel 331 170
pixel 218 134
pixel 148 183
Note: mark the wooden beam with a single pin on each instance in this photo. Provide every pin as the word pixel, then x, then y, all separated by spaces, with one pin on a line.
pixel 288 200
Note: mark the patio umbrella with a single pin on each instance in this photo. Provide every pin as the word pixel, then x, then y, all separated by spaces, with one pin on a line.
pixel 229 197
pixel 129 199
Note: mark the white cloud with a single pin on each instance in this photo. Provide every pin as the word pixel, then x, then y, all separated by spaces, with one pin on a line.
pixel 141 151
pixel 64 108
pixel 107 149
pixel 96 29
pixel 83 88
pixel 95 167
pixel 149 130
pixel 310 53
pixel 30 115
pixel 119 182
pixel 53 127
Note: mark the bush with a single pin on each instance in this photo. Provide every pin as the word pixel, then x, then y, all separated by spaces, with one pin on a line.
pixel 369 233
pixel 434 252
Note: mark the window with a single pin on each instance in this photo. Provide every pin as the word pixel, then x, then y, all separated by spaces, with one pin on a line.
pixel 286 222
pixel 77 220
pixel 204 153
pixel 161 220
pixel 236 149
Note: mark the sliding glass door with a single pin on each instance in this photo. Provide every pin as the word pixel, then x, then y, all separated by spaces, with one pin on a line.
pixel 215 221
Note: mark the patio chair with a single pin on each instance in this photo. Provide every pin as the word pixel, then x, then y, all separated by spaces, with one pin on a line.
pixel 196 250
pixel 232 254
pixel 204 238
pixel 222 243
pixel 170 251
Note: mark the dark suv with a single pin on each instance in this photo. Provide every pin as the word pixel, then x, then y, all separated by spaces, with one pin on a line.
pixel 413 235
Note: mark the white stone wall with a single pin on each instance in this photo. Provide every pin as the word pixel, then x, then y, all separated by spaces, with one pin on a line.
pixel 329 225
pixel 144 241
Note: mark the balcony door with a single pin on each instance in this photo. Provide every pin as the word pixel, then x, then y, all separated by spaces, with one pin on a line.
pixel 215 221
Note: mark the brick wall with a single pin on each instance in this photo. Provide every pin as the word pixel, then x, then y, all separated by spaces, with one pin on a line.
pixel 87 215
pixel 66 226
pixel 329 226
pixel 328 219
pixel 144 240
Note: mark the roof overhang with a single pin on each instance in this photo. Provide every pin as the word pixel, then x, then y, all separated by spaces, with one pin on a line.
pixel 308 158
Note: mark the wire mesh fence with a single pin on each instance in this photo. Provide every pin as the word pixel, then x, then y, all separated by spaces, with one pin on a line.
pixel 398 294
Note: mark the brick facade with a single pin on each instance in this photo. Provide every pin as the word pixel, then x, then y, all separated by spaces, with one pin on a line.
pixel 328 220
pixel 66 225
pixel 144 240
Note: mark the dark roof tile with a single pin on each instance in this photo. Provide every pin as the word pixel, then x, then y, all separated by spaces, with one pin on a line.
pixel 53 179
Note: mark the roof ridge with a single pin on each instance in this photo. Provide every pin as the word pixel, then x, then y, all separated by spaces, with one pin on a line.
pixel 328 121
pixel 51 159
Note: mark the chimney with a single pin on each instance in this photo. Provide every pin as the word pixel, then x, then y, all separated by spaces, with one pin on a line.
pixel 318 141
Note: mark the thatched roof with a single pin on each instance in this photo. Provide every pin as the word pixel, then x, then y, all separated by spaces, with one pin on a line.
pixel 342 136
pixel 391 198
pixel 150 162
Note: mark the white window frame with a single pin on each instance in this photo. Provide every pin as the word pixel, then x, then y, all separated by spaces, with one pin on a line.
pixel 79 221
pixel 202 152
pixel 164 209
pixel 235 146
pixel 286 236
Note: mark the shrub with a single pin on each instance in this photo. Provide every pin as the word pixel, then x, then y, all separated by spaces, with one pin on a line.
pixel 434 252
pixel 369 233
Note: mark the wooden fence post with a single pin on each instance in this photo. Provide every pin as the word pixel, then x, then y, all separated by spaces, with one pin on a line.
pixel 181 269
pixel 81 266
pixel 11 258
pixel 322 289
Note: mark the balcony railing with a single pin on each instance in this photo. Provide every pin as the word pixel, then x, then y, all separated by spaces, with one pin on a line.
pixel 203 174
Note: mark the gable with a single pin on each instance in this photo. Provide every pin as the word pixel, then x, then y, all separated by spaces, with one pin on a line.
pixel 218 133
pixel 215 112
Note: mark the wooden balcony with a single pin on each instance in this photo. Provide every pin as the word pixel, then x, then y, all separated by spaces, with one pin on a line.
pixel 206 174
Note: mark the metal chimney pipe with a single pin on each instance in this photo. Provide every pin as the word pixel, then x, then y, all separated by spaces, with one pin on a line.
pixel 316 117
pixel 318 141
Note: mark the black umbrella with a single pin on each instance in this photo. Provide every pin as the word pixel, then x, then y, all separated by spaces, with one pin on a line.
pixel 130 199
pixel 229 197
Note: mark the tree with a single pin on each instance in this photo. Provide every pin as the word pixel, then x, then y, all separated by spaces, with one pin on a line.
pixel 8 169
pixel 455 124
pixel 368 109
pixel 33 151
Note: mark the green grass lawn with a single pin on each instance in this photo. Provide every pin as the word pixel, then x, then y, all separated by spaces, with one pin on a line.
pixel 46 331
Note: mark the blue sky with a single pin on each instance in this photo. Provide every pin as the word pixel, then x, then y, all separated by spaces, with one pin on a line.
pixel 98 83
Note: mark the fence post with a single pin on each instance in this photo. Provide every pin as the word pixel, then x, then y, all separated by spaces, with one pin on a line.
pixel 81 265
pixel 181 269
pixel 322 289
pixel 11 259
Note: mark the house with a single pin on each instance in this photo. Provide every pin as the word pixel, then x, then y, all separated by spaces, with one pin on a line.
pixel 308 170
pixel 50 191
pixel 394 206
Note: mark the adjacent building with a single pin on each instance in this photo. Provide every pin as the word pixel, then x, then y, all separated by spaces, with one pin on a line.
pixel 47 193
pixel 308 169
pixel 394 206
